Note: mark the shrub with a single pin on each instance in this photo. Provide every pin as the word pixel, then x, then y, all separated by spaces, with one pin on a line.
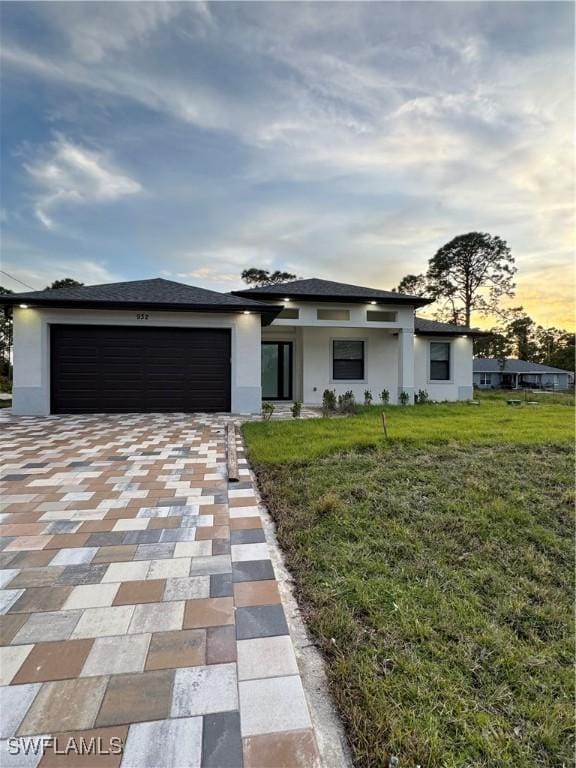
pixel 328 402
pixel 5 384
pixel 267 410
pixel 296 409
pixel 404 398
pixel 347 402
pixel 422 396
pixel 367 397
pixel 385 397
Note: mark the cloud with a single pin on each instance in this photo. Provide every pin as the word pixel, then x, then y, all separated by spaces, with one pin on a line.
pixel 305 74
pixel 94 31
pixel 226 260
pixel 38 267
pixel 334 138
pixel 67 173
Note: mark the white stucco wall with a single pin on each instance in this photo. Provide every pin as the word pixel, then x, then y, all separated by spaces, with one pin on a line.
pixel 385 367
pixel 395 359
pixel 459 386
pixel 380 363
pixel 308 315
pixel 31 391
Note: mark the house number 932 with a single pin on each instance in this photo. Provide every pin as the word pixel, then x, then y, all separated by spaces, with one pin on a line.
pixel 142 316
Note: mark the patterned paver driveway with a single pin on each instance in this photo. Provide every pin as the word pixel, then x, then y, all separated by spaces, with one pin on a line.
pixel 139 605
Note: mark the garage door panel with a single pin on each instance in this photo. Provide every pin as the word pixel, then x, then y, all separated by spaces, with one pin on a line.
pixel 69 371
pixel 114 369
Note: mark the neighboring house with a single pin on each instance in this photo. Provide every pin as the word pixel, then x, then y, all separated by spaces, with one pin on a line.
pixel 157 345
pixel 491 373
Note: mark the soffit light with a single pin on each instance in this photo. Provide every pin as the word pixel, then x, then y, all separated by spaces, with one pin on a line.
pixel 23 306
pixel 373 302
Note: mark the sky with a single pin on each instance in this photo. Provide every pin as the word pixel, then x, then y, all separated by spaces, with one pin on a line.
pixel 347 141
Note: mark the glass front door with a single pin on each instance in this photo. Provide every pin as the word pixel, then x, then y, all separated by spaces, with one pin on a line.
pixel 276 370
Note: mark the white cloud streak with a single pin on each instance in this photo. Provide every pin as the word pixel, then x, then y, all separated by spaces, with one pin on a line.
pixel 70 174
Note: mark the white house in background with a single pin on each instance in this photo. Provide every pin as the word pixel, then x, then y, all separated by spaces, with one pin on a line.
pixel 158 345
pixel 491 373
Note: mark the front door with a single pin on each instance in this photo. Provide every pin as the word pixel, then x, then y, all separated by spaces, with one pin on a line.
pixel 276 370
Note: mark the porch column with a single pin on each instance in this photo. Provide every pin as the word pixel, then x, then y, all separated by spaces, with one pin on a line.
pixel 406 363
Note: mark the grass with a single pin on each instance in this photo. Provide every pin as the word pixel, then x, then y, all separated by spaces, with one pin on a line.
pixel 545 398
pixel 436 573
pixel 489 423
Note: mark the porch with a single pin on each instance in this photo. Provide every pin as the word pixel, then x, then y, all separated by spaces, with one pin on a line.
pixel 530 381
pixel 300 362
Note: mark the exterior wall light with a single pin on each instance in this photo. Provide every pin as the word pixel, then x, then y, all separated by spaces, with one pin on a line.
pixel 23 306
pixel 246 311
pixel 373 302
pixel 285 299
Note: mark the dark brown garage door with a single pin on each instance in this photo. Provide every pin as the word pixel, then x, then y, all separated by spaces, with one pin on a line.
pixel 107 369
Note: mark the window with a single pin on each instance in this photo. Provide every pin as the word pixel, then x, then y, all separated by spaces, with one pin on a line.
pixel 439 361
pixel 289 314
pixel 485 379
pixel 333 314
pixel 348 360
pixel 380 317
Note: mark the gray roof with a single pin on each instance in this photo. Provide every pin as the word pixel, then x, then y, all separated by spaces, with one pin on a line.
pixel 157 290
pixel 156 293
pixel 328 290
pixel 494 365
pixel 433 327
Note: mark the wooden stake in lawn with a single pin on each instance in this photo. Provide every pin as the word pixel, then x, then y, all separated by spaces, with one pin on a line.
pixel 231 452
pixel 384 425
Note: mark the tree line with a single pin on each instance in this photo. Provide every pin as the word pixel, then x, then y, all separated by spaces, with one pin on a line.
pixel 519 336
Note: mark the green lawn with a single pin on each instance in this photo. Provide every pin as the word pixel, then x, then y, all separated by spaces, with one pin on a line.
pixel 491 422
pixel 435 571
pixel 546 398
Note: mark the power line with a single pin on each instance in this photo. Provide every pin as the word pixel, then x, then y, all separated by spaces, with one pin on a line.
pixel 17 281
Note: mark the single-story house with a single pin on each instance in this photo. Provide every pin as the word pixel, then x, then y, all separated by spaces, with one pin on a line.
pixel 158 345
pixel 492 373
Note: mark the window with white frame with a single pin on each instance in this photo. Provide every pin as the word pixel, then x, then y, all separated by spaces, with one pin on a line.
pixel 347 360
pixel 439 361
pixel 485 379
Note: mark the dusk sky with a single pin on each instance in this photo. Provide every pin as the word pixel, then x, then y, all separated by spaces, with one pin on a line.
pixel 334 140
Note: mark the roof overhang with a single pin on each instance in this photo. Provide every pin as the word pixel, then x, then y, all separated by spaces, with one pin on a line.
pixel 529 372
pixel 518 373
pixel 267 312
pixel 417 301
pixel 473 332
